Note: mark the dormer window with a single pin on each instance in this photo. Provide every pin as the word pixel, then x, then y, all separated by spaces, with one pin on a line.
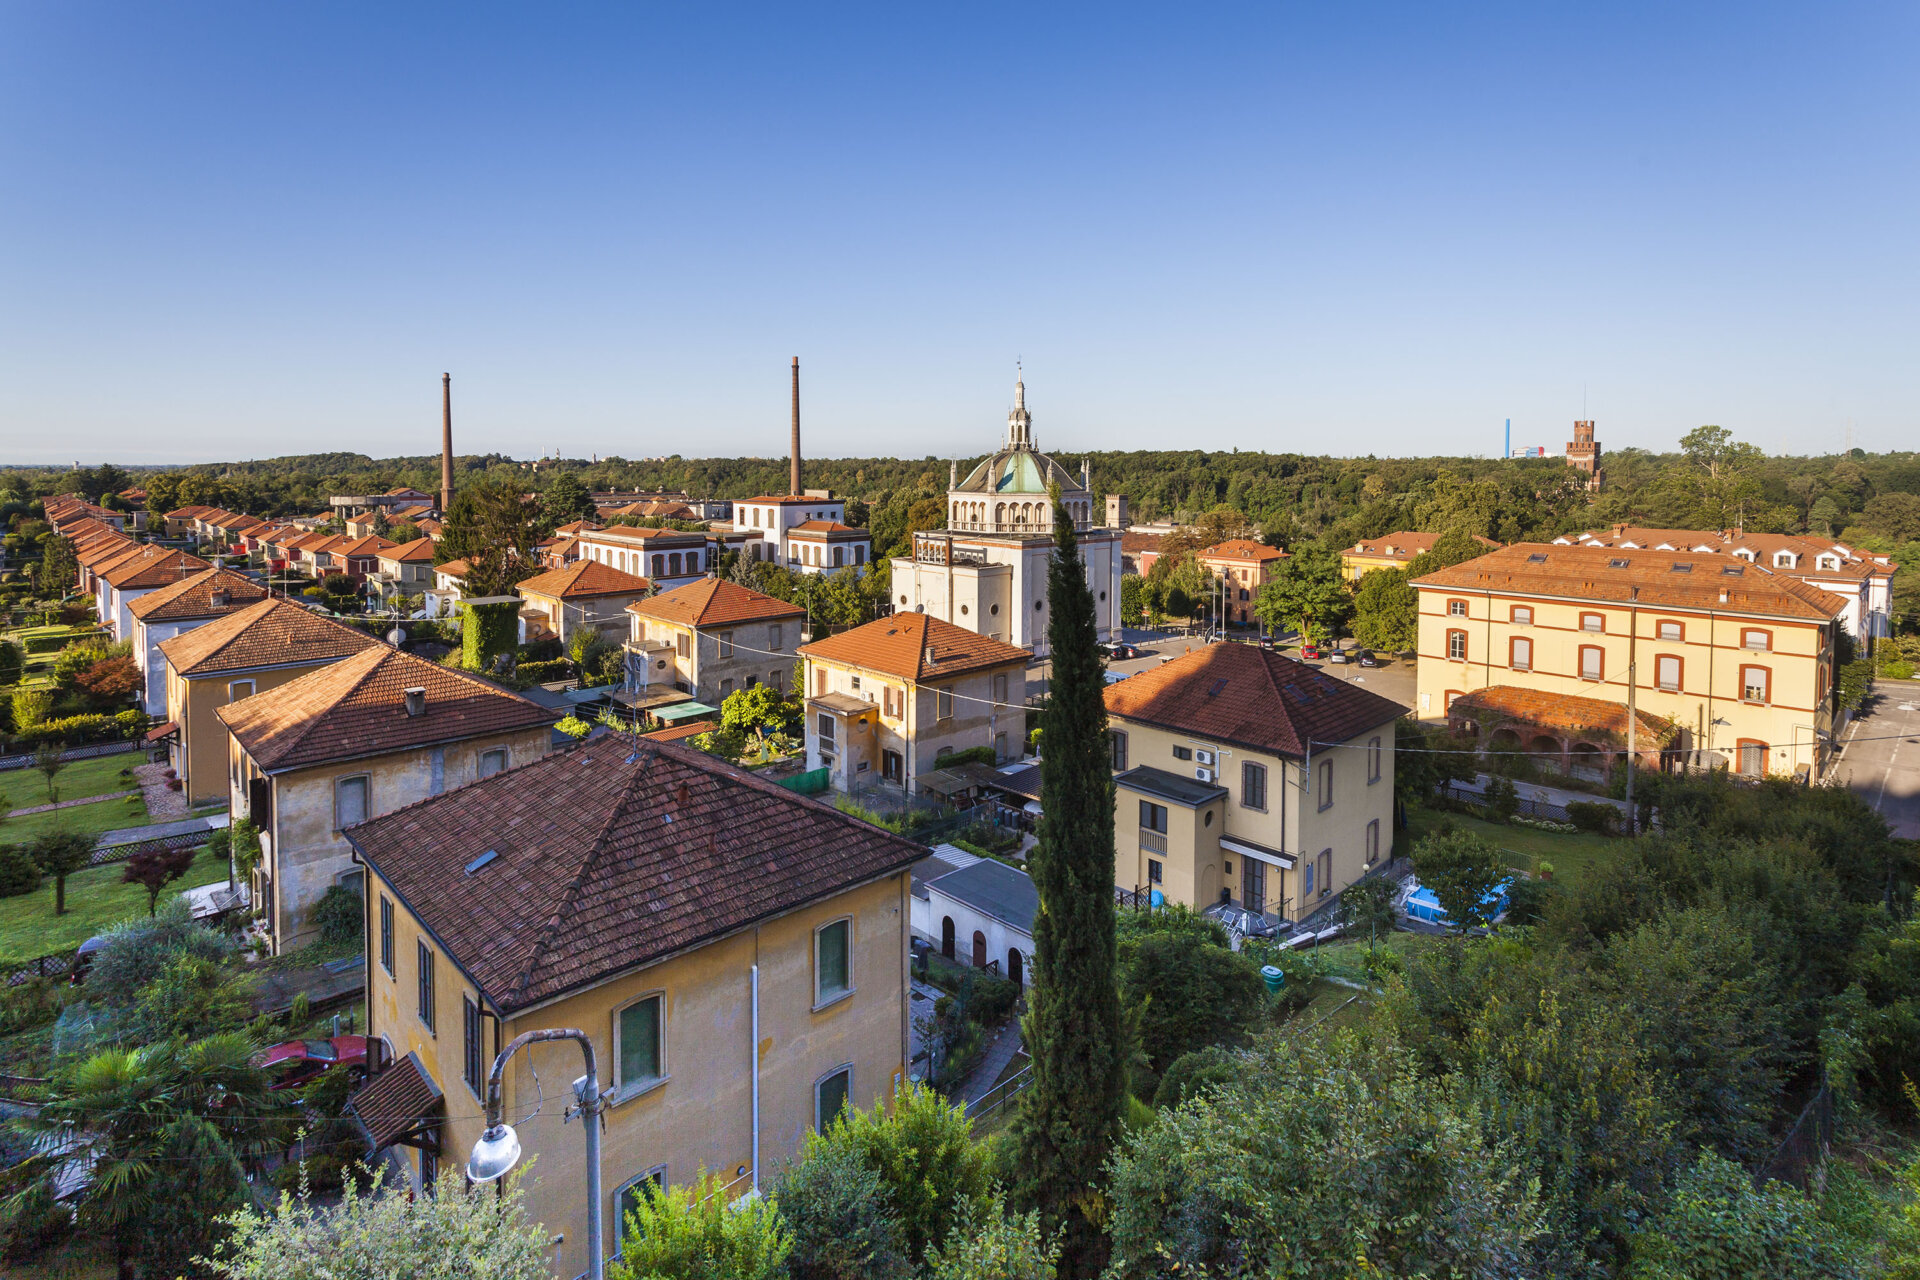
pixel 1830 563
pixel 1783 560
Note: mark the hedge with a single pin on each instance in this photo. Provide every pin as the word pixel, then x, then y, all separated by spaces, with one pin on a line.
pixel 541 672
pixel 487 630
pixel 74 731
pixel 55 643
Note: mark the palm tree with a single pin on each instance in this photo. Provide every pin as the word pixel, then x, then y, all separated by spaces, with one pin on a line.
pixel 162 1138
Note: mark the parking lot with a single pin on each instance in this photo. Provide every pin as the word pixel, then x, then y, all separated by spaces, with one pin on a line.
pixel 1880 755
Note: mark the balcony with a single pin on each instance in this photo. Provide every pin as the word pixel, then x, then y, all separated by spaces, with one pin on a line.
pixel 1152 842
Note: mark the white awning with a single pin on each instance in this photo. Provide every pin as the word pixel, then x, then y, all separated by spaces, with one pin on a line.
pixel 1259 853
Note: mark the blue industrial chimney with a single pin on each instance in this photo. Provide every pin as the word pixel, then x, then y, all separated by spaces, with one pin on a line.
pixel 1509 452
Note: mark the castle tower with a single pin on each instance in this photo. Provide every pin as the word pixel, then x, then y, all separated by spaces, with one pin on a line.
pixel 1583 454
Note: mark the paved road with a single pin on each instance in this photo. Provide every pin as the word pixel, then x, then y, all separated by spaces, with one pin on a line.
pixel 1880 755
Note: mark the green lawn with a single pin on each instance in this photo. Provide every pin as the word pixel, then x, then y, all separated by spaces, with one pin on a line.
pixel 96 898
pixel 101 815
pixel 1570 853
pixel 96 777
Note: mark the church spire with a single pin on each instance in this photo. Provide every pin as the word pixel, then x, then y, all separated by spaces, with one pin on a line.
pixel 1019 422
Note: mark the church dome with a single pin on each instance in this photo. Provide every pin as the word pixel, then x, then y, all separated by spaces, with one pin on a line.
pixel 1019 468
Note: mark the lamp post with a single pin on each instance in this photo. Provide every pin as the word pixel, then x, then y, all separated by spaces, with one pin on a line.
pixel 498 1149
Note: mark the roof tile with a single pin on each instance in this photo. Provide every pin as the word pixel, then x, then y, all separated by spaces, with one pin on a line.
pixel 915 646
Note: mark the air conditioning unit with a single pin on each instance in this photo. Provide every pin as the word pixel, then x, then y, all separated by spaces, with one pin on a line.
pixel 1204 757
pixel 1205 775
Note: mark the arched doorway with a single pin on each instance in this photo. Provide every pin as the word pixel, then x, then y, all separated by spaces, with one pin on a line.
pixel 979 949
pixel 1014 972
pixel 1503 740
pixel 946 937
pixel 1545 752
pixel 1589 762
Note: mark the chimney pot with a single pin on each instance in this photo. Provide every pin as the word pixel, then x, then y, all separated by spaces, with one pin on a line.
pixel 220 599
pixel 416 701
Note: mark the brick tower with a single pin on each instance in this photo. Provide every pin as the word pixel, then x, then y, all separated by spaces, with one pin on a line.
pixel 1584 455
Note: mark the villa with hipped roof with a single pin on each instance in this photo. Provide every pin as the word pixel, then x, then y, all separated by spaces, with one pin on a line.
pixel 174 610
pixel 585 595
pixel 371 733
pixel 149 569
pixel 889 701
pixel 711 638
pixel 250 651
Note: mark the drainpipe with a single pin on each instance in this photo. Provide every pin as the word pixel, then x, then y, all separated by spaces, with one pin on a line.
pixel 756 1077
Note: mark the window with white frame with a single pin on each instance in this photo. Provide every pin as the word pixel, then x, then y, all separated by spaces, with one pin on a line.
pixel 1670 630
pixel 830 1095
pixel 943 704
pixel 492 761
pixel 639 1045
pixel 832 960
pixel 1456 608
pixel 1754 638
pixel 351 800
pixel 1756 684
pixel 1457 646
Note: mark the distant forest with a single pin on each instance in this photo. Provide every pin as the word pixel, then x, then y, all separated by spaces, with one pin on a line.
pixel 1711 482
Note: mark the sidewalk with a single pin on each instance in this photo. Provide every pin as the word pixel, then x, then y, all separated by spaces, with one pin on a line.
pixel 161 830
pixel 1539 793
pixel 1000 1051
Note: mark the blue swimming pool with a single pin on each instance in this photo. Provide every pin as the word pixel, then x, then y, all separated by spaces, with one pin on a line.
pixel 1422 905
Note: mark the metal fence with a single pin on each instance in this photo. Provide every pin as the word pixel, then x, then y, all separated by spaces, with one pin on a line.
pixel 1527 807
pixel 109 854
pixel 75 753
pixel 57 965
pixel 996 1099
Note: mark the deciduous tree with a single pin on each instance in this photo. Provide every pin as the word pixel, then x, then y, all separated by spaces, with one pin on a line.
pixel 1306 592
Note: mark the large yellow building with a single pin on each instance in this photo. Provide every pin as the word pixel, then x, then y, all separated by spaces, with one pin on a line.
pixel 1390 551
pixel 1244 777
pixel 668 905
pixel 1736 658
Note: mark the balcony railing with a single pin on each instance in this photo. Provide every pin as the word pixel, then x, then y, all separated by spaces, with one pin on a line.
pixel 1152 842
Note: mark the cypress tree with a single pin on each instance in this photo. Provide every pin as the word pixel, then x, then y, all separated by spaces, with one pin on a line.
pixel 1070 1116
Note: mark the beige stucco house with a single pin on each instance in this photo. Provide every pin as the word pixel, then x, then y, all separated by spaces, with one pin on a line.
pixel 175 610
pixel 886 702
pixel 258 648
pixel 355 739
pixel 711 638
pixel 668 905
pixel 583 595
pixel 1245 777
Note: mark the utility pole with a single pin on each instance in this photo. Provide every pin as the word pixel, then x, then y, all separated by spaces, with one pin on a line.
pixel 1633 685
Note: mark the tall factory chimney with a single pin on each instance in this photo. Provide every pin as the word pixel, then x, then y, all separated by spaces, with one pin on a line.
pixel 793 461
pixel 446 444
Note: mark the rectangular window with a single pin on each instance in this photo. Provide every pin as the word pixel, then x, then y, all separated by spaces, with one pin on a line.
pixel 1253 786
pixel 1520 653
pixel 1593 664
pixel 1456 608
pixel 1326 784
pixel 1669 630
pixel 1522 615
pixel 386 934
pixel 1666 672
pixel 726 688
pixel 424 1003
pixel 1155 872
pixel 778 679
pixel 350 803
pixel 1373 760
pixel 1752 757
pixel 1306 879
pixel 773 637
pixel 830 1098
pixel 819 680
pixel 1373 842
pixel 943 704
pixel 826 729
pixel 1153 817
pixel 470 1043
pixel 681 646
pixel 1326 872
pixel 1753 639
pixel 638 1061
pixel 1456 646
pixel 493 761
pixel 1000 687
pixel 1119 739
pixel 1756 684
pixel 831 978
pixel 1183 753
pixel 726 644
pixel 1593 622
pixel 239 689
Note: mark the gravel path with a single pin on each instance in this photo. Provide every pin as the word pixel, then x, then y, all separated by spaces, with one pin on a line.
pixel 162 802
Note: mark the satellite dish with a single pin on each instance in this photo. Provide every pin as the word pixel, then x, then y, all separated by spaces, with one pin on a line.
pixel 396 637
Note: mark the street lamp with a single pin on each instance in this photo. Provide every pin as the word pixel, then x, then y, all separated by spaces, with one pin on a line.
pixel 498 1149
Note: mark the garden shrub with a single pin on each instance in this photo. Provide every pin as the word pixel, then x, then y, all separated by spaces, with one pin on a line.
pixel 137 950
pixel 993 1241
pixel 1719 1227
pixel 340 915
pixel 71 731
pixel 31 707
pixel 539 672
pixel 574 727
pixel 55 643
pixel 487 631
pixel 19 874
pixel 1502 802
pixel 1600 819
pixel 835 1205
pixel 1194 1072
pixel 546 650
pixel 972 755
pixel 696 1232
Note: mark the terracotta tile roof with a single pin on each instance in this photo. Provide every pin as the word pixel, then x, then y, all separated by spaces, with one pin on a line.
pixel 420 550
pixel 785 500
pixel 611 855
pixel 1566 713
pixel 1251 697
pixel 1241 549
pixel 680 731
pixel 915 646
pixel 371 545
pixel 1806 550
pixel 578 527
pixel 584 578
pixel 397 1101
pixel 825 526
pixel 357 707
pixel 93 552
pixel 454 568
pixel 187 513
pixel 1615 576
pixel 1405 545
pixel 271 633
pixel 306 540
pixel 158 568
pixel 633 533
pixel 714 602
pixel 193 598
pixel 321 544
pixel 132 554
pixel 84 528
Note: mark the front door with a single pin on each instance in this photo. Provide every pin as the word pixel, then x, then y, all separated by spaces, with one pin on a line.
pixel 1253 884
pixel 979 949
pixel 892 766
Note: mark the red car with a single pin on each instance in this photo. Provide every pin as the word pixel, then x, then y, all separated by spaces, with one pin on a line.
pixel 299 1061
pixel 1310 651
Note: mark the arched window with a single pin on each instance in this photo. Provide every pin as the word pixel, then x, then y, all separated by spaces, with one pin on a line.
pixel 979 949
pixel 946 936
pixel 1014 974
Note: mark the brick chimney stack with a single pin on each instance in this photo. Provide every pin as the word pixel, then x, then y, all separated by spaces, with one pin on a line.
pixel 793 461
pixel 446 444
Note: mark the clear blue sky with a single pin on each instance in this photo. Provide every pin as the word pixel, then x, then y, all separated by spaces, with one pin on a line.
pixel 254 229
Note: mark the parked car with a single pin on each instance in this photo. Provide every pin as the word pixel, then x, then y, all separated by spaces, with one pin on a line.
pixel 1340 656
pixel 1311 651
pixel 1119 652
pixel 1367 658
pixel 296 1062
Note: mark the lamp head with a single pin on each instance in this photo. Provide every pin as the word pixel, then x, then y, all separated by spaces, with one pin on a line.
pixel 497 1151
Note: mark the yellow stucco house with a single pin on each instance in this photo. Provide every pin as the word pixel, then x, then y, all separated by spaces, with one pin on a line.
pixel 1245 778
pixel 711 638
pixel 352 740
pixel 1732 659
pixel 666 904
